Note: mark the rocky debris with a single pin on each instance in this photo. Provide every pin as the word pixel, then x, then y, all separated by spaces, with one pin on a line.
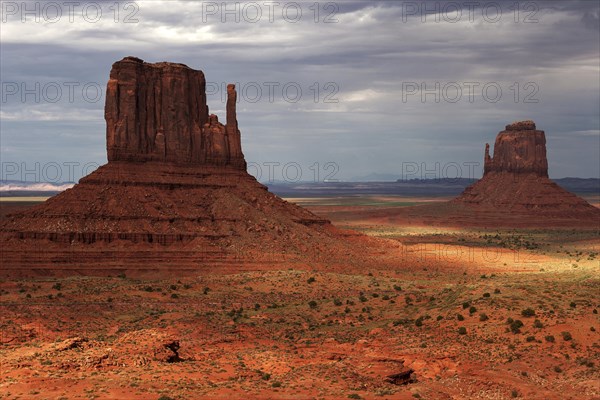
pixel 99 361
pixel 402 378
pixel 516 179
pixel 169 352
pixel 70 344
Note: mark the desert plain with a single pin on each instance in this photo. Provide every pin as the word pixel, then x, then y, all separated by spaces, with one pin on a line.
pixel 467 312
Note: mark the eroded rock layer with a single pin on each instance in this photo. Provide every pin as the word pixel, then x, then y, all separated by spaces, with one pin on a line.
pixel 157 216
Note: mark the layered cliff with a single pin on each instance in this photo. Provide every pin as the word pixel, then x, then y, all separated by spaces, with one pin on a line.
pixel 159 112
pixel 519 149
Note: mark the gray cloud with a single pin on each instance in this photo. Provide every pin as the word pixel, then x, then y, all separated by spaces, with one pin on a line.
pixel 370 55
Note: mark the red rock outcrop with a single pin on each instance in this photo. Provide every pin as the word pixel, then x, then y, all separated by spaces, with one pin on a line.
pixel 515 180
pixel 519 149
pixel 158 112
pixel 174 195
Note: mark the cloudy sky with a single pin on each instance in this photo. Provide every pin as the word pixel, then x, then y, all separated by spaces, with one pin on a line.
pixel 348 89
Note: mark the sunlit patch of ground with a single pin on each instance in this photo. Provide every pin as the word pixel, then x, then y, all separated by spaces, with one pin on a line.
pixel 23 199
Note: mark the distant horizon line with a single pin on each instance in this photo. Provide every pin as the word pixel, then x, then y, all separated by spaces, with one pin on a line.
pixel 279 181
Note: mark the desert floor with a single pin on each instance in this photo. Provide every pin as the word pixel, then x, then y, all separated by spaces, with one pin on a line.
pixel 475 313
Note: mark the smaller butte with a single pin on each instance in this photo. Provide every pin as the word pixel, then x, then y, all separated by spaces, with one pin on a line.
pixel 516 179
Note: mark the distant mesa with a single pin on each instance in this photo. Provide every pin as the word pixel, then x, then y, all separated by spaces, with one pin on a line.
pixel 175 194
pixel 516 179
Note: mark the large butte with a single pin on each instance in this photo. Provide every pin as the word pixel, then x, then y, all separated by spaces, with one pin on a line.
pixel 174 195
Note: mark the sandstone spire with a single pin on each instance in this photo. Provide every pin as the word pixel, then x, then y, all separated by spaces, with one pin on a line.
pixel 233 133
pixel 487 160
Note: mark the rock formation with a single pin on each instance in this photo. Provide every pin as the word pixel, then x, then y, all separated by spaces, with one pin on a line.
pixel 158 112
pixel 515 180
pixel 519 149
pixel 174 195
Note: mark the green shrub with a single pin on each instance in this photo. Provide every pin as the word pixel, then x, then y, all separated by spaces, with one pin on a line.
pixel 515 326
pixel 337 302
pixel 483 317
pixel 312 304
pixel 472 310
pixel 566 336
pixel 311 279
pixel 528 312
pixel 462 330
pixel 538 324
pixel 550 339
pixel 397 288
pixel 460 317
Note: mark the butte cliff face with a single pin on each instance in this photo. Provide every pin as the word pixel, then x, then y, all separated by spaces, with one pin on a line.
pixel 158 112
pixel 175 194
pixel 519 149
pixel 515 180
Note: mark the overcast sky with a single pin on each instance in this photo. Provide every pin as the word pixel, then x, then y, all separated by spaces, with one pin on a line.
pixel 369 61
